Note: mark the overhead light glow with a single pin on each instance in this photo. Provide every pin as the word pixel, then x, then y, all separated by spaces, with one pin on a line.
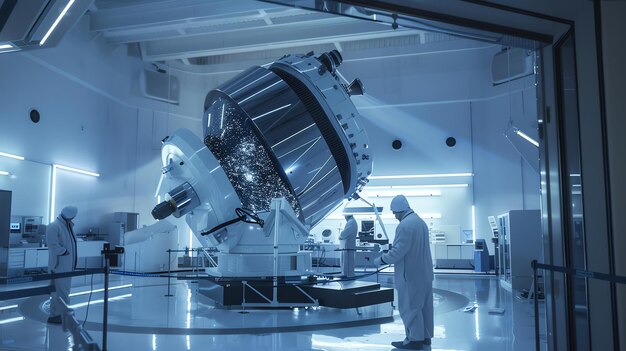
pixel 4 173
pixel 56 22
pixel 8 47
pixel 76 170
pixel 53 193
pixel 367 188
pixel 392 193
pixel 366 216
pixel 190 239
pixel 412 176
pixel 53 186
pixel 525 136
pixel 12 156
pixel 473 223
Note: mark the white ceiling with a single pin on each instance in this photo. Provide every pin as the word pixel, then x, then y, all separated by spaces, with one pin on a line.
pixel 204 34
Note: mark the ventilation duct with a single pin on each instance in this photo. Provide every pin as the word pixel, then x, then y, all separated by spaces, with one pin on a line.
pixel 159 85
pixel 510 64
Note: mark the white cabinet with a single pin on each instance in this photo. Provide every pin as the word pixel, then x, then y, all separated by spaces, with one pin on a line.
pixel 30 258
pixel 441 251
pixel 16 258
pixel 454 252
pixel 467 252
pixel 42 257
pixel 519 236
pixel 27 258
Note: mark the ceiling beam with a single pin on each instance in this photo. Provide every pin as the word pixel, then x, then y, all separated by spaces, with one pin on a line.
pixel 213 26
pixel 270 37
pixel 158 13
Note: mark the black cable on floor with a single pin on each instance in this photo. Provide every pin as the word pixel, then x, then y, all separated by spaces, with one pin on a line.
pixel 88 302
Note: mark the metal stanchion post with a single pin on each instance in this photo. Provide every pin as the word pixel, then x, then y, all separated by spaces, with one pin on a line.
pixel 169 271
pixel 536 301
pixel 105 312
pixel 108 253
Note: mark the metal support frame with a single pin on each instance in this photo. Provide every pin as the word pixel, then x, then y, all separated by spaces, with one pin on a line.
pixel 169 272
pixel 274 301
pixel 578 273
pixel 208 257
pixel 276 233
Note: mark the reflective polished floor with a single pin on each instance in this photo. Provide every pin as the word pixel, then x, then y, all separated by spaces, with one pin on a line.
pixel 142 318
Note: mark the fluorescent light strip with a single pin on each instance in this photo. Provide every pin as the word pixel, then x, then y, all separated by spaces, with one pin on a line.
pixel 76 170
pixel 83 304
pixel 411 176
pixel 100 290
pixel 190 238
pixel 10 320
pixel 391 193
pixel 53 193
pixel 474 223
pixel 4 308
pixel 4 173
pixel 12 156
pixel 56 22
pixel 525 136
pixel 382 215
pixel 368 188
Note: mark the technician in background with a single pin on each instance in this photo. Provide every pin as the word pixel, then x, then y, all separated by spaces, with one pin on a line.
pixel 413 275
pixel 62 258
pixel 347 241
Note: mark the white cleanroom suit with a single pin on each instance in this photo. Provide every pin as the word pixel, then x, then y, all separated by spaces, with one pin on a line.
pixel 62 257
pixel 413 277
pixel 347 241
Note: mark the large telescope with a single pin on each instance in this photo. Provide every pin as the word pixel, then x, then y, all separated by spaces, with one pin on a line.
pixel 282 148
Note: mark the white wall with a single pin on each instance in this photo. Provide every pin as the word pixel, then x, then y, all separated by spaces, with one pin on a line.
pixel 92 118
pixel 503 180
pixel 422 98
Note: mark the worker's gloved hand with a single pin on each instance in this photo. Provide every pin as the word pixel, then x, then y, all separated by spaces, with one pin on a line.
pixel 378 261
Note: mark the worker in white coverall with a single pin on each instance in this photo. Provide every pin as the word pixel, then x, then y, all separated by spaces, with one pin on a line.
pixel 62 258
pixel 413 277
pixel 347 241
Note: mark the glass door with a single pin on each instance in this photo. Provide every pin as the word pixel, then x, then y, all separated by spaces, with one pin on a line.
pixel 572 201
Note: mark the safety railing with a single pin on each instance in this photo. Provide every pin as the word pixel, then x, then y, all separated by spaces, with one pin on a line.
pixel 578 273
pixel 81 337
pixel 79 334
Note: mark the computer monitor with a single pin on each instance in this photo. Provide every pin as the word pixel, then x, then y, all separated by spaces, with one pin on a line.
pixel 367 226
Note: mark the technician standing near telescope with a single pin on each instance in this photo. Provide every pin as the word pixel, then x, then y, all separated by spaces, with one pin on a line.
pixel 347 239
pixel 413 275
pixel 62 247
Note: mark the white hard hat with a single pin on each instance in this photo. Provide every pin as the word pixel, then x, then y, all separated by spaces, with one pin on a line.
pixel 69 212
pixel 400 204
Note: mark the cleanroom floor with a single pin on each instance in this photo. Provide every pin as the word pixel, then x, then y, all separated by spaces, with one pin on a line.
pixel 142 318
